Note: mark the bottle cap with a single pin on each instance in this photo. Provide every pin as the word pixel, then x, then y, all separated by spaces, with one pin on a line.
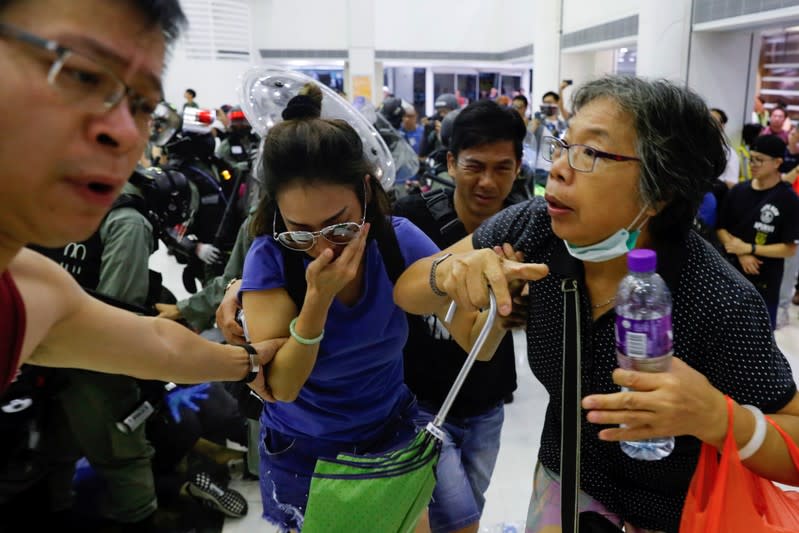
pixel 642 260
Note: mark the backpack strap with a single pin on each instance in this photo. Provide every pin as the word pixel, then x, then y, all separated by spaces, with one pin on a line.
pixel 440 208
pixel 294 271
pixel 131 200
pixel 390 251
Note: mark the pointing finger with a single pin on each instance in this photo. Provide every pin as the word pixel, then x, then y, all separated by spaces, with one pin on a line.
pixel 514 270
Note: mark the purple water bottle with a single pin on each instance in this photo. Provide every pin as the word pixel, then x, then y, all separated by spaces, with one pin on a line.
pixel 643 335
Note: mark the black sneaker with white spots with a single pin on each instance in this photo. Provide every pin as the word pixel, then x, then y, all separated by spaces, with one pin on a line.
pixel 222 499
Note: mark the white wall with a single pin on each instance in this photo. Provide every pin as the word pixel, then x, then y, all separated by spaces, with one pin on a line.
pixel 604 62
pixel 594 60
pixel 465 25
pixel 447 25
pixel 718 72
pixel 309 25
pixel 462 26
pixel 546 52
pixel 577 67
pixel 580 14
pixel 214 81
pixel 663 40
pixel 514 23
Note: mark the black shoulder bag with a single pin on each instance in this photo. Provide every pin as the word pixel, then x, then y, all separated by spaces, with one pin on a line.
pixel 571 416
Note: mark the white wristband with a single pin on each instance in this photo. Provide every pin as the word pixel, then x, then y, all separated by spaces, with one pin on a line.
pixel 759 435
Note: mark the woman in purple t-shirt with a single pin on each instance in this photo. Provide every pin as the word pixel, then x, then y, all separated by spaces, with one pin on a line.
pixel 321 271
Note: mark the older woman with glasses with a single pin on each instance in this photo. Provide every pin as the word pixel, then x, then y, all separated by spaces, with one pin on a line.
pixel 629 173
pixel 321 271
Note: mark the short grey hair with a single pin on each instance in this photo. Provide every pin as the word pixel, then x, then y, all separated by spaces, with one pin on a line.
pixel 681 146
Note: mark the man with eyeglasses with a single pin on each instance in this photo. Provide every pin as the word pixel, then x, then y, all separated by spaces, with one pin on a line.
pixel 85 75
pixel 759 222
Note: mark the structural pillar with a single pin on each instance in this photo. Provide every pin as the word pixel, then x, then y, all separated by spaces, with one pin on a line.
pixel 546 49
pixel 664 36
pixel 364 79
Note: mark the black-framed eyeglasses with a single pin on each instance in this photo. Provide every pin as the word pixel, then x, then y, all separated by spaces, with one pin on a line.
pixel 302 241
pixel 83 80
pixel 582 158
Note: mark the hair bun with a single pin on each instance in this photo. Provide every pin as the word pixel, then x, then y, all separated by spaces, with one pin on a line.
pixel 302 107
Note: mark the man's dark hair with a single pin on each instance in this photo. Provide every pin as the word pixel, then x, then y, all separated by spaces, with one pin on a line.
pixel 522 98
pixel 167 14
pixel 484 122
pixel 722 115
pixel 681 146
pixel 554 95
pixel 192 92
pixel 784 110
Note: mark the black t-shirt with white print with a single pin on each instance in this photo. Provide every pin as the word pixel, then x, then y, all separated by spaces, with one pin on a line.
pixel 769 216
pixel 721 329
pixel 432 358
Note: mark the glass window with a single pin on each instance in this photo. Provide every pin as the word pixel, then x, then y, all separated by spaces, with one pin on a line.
pixel 488 81
pixel 779 72
pixel 333 78
pixel 510 85
pixel 625 60
pixel 467 85
pixel 419 88
pixel 443 83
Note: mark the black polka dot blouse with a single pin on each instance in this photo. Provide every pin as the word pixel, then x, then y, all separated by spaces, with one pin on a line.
pixel 721 328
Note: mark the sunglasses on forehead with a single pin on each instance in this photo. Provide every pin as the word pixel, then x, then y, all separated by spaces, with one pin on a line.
pixel 337 234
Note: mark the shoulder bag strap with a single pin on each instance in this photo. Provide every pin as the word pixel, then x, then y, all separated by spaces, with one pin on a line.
pixel 294 271
pixel 571 412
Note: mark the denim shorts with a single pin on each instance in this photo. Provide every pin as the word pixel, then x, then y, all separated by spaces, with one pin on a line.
pixel 467 460
pixel 287 462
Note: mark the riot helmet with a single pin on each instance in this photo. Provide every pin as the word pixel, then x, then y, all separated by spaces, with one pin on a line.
pixel 167 196
pixel 238 121
pixel 391 108
pixel 166 123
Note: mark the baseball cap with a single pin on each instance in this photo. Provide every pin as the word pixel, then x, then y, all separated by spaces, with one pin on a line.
pixel 770 145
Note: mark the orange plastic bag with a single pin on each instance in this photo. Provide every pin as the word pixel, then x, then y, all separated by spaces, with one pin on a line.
pixel 726 497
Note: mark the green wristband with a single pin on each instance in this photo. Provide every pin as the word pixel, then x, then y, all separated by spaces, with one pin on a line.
pixel 303 340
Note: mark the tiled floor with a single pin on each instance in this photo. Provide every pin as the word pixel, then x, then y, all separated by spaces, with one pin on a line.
pixel 507 497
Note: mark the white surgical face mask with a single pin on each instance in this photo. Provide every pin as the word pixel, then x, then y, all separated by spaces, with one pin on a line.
pixel 614 246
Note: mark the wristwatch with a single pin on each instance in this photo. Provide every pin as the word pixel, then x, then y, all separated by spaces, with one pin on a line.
pixel 253 365
pixel 753 248
pixel 433 286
